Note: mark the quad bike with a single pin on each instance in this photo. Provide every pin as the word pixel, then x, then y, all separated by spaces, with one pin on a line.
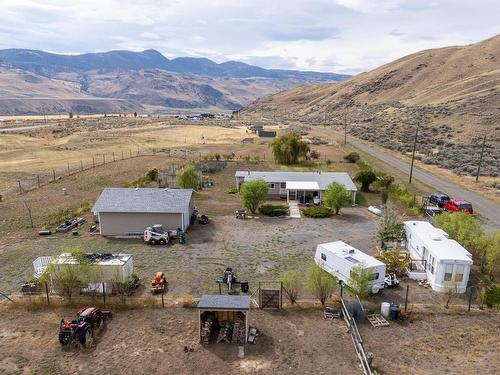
pixel 159 283
pixel 203 220
pixel 229 278
pixel 82 329
pixel 391 280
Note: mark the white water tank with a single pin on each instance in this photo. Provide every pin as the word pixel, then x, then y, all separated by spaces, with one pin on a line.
pixel 385 308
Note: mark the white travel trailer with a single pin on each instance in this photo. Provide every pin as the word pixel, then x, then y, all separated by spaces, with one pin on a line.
pixel 443 260
pixel 339 258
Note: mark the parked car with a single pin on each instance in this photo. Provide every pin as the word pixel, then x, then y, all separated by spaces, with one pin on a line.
pixel 438 199
pixel 456 205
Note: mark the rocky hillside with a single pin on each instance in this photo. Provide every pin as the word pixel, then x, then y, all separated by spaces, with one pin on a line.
pixel 452 93
pixel 31 80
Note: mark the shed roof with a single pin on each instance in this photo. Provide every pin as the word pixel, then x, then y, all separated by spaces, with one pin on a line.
pixel 143 200
pixel 322 178
pixel 437 242
pixel 223 302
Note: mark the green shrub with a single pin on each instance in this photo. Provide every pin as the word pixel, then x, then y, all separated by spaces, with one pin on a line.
pixel 363 165
pixel 492 297
pixel 273 209
pixel 317 211
pixel 232 189
pixel 403 196
pixel 352 157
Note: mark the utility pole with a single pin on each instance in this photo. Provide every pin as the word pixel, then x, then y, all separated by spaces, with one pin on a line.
pixel 345 127
pixel 480 159
pixel 413 154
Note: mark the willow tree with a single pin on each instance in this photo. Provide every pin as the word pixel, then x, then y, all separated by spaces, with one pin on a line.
pixel 289 148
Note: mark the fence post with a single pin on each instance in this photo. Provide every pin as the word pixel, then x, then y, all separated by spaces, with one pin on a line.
pixel 406 298
pixel 81 165
pixel 103 158
pixel 122 155
pixel 20 187
pixel 53 175
pixel 162 301
pixel 38 180
pixel 47 293
pixel 68 167
pixel 93 162
pixel 104 294
pixel 130 151
pixel 114 156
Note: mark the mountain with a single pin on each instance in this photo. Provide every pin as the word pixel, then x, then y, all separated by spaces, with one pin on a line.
pixel 453 93
pixel 33 81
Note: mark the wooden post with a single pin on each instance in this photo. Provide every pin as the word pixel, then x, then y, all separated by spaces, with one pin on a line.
pixel 406 297
pixel 122 155
pixel 470 299
pixel 103 159
pixel 130 151
pixel 38 180
pixel 220 290
pixel 162 301
pixel 104 293
pixel 93 162
pixel 81 165
pixel 68 167
pixel 47 293
pixel 114 156
pixel 480 162
pixel 53 175
pixel 20 187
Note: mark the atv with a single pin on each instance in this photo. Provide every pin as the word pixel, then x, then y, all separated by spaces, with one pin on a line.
pixel 81 330
pixel 391 280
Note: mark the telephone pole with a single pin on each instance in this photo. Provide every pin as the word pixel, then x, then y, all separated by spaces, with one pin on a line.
pixel 413 154
pixel 345 127
pixel 480 159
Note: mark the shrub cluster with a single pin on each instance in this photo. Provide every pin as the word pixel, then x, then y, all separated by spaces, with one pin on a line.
pixel 352 157
pixel 273 209
pixel 317 211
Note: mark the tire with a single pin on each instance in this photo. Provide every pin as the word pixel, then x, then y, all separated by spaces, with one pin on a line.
pixel 100 322
pixel 85 335
pixel 152 242
pixel 162 242
pixel 64 338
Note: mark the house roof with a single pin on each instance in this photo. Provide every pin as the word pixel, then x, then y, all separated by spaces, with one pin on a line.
pixel 223 302
pixel 322 178
pixel 143 200
pixel 351 254
pixel 437 242
pixel 302 185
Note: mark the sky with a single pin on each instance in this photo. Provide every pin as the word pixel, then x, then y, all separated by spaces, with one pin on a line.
pixel 342 36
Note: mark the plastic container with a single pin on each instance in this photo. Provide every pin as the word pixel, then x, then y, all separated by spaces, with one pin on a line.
pixel 385 308
pixel 394 311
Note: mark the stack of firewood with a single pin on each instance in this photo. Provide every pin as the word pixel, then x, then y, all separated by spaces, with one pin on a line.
pixel 225 332
pixel 206 331
pixel 239 332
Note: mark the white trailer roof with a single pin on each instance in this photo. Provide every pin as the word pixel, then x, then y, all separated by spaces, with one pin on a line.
pixel 302 185
pixel 351 254
pixel 437 242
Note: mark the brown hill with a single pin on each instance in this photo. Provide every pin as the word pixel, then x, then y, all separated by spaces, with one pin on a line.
pixel 453 93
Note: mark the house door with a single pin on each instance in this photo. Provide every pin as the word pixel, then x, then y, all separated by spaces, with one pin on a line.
pixel 292 195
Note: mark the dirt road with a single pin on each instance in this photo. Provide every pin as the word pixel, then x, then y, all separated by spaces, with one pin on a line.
pixel 487 209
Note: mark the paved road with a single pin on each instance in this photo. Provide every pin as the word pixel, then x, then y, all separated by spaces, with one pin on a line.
pixel 486 208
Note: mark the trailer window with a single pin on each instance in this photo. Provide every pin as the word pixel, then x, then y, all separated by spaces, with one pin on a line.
pixel 375 276
pixel 448 272
pixel 323 257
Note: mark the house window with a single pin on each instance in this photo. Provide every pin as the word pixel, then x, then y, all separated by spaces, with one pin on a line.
pixel 283 185
pixel 271 186
pixel 459 273
pixel 448 272
pixel 323 257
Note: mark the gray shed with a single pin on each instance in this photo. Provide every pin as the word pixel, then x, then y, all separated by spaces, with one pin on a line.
pixel 128 211
pixel 218 314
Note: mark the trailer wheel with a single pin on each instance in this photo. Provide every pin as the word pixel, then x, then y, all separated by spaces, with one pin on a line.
pixel 163 241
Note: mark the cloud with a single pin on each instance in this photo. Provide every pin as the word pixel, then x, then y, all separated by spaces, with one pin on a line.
pixel 342 35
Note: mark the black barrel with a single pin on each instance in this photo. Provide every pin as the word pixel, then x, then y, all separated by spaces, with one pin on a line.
pixel 394 311
pixel 244 287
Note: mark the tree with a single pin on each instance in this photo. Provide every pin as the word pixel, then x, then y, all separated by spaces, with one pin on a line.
pixel 391 227
pixel 492 254
pixel 365 178
pixel 187 177
pixel 292 284
pixel 336 196
pixel 320 283
pixel 289 148
pixel 359 280
pixel 396 261
pixel 352 157
pixel 253 193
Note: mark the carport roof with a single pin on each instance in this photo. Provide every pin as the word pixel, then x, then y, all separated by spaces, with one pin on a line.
pixel 302 185
pixel 143 200
pixel 223 302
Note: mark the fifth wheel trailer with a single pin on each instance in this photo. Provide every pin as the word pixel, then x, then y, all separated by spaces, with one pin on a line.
pixel 339 258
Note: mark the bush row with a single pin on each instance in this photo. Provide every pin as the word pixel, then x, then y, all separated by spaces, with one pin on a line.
pixel 273 209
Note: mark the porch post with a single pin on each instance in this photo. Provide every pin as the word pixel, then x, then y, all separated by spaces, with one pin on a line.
pixel 287 196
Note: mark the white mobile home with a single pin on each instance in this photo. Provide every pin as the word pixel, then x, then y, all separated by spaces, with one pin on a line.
pixel 444 260
pixel 339 258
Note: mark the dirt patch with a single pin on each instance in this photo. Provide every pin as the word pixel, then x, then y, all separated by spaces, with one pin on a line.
pixel 154 341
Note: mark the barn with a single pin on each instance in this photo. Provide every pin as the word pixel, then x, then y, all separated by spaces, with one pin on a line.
pixel 128 211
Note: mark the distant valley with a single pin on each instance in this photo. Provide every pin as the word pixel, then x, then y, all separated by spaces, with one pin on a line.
pixel 35 82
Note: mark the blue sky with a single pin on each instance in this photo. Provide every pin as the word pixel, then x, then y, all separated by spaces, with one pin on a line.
pixel 345 36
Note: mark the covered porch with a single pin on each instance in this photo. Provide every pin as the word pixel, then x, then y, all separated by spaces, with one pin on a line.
pixel 303 192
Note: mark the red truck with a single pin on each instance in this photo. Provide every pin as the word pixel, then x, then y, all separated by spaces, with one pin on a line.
pixel 455 205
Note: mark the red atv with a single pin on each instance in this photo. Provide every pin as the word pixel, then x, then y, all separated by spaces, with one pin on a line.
pixel 88 321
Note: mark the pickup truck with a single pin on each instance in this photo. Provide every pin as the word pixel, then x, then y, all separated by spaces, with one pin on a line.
pixel 438 199
pixel 456 205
